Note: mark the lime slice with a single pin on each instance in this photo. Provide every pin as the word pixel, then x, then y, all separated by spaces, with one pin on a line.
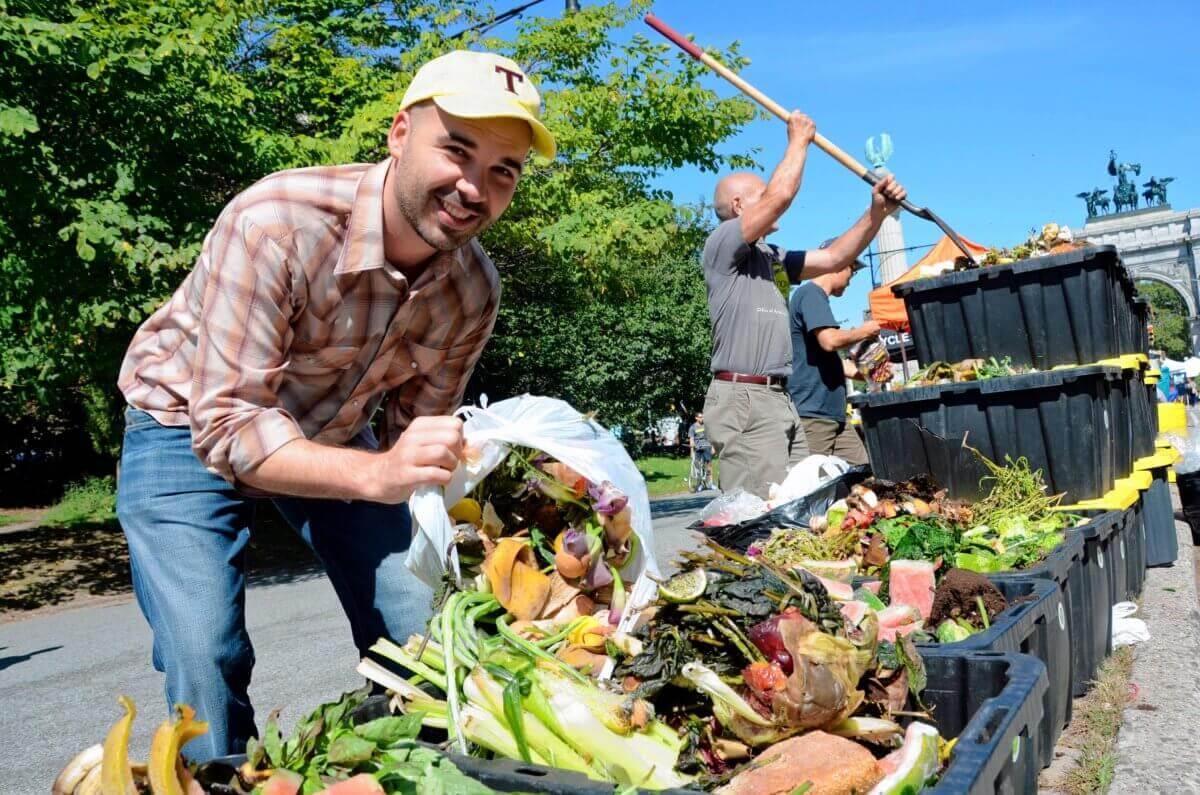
pixel 685 587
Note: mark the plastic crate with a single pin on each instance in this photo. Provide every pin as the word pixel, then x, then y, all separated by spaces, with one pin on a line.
pixel 1118 557
pixel 1162 543
pixel 1060 420
pixel 993 703
pixel 1144 416
pixel 1141 319
pixel 1123 296
pixel 1043 312
pixel 1099 553
pixel 1121 410
pixel 1135 550
pixel 1065 566
pixel 1037 627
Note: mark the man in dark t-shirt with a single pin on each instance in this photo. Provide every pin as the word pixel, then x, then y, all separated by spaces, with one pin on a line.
pixel 818 382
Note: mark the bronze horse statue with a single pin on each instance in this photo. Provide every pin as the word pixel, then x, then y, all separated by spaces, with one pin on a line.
pixel 1096 201
pixel 1156 191
pixel 1125 194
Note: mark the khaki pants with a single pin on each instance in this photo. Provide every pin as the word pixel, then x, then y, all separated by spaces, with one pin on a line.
pixel 826 437
pixel 755 432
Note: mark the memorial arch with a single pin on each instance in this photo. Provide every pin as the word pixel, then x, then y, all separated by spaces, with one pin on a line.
pixel 1157 244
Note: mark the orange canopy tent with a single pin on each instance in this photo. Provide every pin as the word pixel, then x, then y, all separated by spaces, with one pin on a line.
pixel 888 310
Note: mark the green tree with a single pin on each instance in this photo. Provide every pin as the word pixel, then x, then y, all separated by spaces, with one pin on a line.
pixel 126 125
pixel 1172 329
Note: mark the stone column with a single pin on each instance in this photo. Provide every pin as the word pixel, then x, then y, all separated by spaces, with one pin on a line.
pixel 889 243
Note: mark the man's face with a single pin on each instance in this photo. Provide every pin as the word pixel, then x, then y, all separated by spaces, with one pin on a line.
pixel 455 176
pixel 841 280
pixel 700 418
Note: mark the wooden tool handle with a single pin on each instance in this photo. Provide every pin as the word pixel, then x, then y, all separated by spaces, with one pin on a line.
pixel 676 38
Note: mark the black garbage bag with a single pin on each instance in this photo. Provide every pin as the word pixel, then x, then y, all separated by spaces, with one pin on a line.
pixel 794 514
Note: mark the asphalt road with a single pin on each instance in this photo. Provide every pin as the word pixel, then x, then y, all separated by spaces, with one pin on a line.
pixel 60 674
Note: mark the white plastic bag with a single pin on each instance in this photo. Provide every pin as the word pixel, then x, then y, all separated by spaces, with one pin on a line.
pixel 806 477
pixel 554 428
pixel 735 507
pixel 1127 630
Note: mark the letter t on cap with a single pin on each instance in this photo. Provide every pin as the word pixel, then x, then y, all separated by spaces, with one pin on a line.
pixel 509 76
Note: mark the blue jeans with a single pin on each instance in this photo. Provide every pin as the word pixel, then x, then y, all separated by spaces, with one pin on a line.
pixel 187 531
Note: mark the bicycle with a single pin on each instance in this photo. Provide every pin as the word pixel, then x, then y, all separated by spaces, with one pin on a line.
pixel 698 477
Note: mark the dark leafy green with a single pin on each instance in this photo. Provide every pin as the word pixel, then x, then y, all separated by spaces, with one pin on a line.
pixel 911 538
pixel 328 746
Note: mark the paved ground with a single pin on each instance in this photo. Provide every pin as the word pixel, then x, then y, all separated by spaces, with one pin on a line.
pixel 60 674
pixel 1156 746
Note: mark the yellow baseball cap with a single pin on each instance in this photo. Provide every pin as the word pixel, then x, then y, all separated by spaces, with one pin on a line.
pixel 481 85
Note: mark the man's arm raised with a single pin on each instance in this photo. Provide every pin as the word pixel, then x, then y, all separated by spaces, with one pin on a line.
pixel 885 197
pixel 760 217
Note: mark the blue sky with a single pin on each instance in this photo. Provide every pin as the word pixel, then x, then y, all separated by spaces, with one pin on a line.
pixel 999 112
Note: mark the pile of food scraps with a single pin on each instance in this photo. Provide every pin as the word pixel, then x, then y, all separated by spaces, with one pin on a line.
pixel 746 674
pixel 1051 239
pixel 966 370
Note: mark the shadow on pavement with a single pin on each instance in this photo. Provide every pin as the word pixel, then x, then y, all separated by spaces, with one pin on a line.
pixel 47 566
pixel 17 659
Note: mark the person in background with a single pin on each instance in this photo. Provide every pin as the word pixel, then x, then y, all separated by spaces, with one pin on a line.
pixel 818 383
pixel 752 424
pixel 700 446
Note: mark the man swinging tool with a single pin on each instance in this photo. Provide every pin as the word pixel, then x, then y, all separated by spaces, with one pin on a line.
pixel 321 295
pixel 755 431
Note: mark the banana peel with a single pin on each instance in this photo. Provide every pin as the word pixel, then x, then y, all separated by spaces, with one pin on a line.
pixel 77 770
pixel 116 777
pixel 511 570
pixel 168 739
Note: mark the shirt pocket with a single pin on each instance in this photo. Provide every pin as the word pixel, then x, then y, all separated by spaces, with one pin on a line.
pixel 305 360
pixel 412 359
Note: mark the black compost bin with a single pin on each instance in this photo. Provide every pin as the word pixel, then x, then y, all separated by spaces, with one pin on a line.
pixel 1121 410
pixel 1043 312
pixel 1189 498
pixel 1135 549
pixel 990 701
pixel 1145 416
pixel 993 703
pixel 1037 627
pixel 1162 543
pixel 1065 566
pixel 1141 320
pixel 1061 421
pixel 1100 538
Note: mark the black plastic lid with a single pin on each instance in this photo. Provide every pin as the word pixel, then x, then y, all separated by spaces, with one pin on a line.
pixel 1105 255
pixel 1048 379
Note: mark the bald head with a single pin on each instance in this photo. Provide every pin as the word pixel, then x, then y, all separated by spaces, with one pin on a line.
pixel 734 192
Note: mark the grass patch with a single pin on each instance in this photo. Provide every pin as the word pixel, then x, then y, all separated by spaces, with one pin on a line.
pixel 667 474
pixel 92 501
pixel 1099 717
pixel 10 518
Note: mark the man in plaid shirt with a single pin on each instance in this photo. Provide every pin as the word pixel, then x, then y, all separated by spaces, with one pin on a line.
pixel 320 296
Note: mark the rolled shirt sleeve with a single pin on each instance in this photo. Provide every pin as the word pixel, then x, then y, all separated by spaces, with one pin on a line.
pixel 244 332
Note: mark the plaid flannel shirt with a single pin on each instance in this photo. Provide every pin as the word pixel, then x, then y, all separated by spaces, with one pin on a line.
pixel 292 325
